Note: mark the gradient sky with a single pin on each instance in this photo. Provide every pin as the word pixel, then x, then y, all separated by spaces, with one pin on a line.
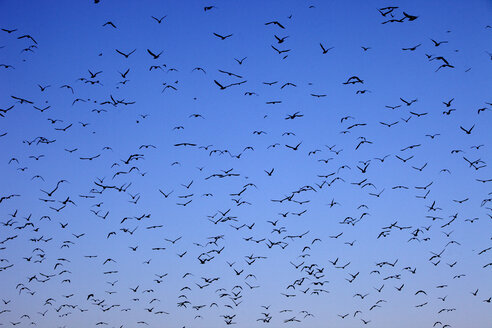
pixel 70 41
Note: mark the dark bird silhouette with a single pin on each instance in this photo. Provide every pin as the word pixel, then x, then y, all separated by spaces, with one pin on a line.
pixel 154 55
pixel 467 131
pixel 158 20
pixel 222 37
pixel 325 50
pixel 126 55
pixel 275 23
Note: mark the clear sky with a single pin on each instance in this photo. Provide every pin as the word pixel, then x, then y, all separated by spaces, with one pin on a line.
pixel 246 163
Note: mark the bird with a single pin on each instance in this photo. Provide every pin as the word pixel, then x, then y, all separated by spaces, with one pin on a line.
pixel 158 20
pixel 222 37
pixel 126 55
pixel 410 17
pixel 109 23
pixel 155 56
pixel 412 48
pixel 240 61
pixel 325 50
pixel 438 43
pixel 275 23
pixel 467 131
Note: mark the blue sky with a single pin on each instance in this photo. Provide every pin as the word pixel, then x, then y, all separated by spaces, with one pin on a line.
pixel 70 41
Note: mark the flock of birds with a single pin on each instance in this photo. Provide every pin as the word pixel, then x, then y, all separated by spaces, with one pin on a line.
pixel 291 228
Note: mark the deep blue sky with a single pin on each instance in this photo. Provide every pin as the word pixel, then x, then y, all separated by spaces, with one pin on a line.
pixel 70 41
